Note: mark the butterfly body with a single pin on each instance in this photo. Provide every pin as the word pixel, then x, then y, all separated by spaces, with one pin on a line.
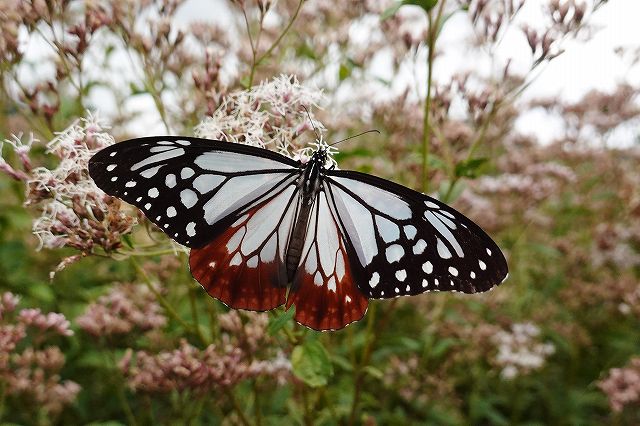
pixel 265 230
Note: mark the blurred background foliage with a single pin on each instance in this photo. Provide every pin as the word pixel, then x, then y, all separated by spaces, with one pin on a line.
pixel 101 323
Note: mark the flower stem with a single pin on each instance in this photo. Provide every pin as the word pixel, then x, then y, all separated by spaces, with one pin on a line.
pixel 257 60
pixel 432 35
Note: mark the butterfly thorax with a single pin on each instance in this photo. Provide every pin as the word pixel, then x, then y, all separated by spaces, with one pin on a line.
pixel 310 183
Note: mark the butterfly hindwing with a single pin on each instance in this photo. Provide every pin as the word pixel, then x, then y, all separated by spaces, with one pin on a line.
pixel 324 287
pixel 190 188
pixel 244 267
pixel 408 243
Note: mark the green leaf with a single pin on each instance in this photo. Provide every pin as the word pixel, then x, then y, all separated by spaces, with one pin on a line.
pixel 305 51
pixel 310 363
pixel 136 90
pixel 426 5
pixel 470 167
pixel 448 194
pixel 344 72
pixel 373 372
pixel 279 322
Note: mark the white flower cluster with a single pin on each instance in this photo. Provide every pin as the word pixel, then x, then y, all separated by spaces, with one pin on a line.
pixel 270 115
pixel 520 351
pixel 68 183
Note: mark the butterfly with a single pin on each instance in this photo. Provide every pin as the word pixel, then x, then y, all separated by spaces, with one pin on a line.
pixel 266 230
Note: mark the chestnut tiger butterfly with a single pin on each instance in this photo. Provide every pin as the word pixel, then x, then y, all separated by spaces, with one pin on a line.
pixel 266 230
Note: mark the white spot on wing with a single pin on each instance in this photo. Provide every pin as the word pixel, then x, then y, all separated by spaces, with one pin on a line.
pixel 381 200
pixel 453 271
pixel 375 279
pixel 340 267
pixel 311 265
pixel 186 173
pixel 410 231
pixel 206 183
pixel 153 193
pixel 130 184
pixel 401 275
pixel 170 180
pixel 363 230
pixel 431 205
pixel 389 231
pixel 472 275
pixel 160 149
pixel 443 251
pixel 110 167
pixel 171 211
pixel 268 253
pixel 163 156
pixel 437 223
pixel 151 172
pixel 489 252
pixel 236 260
pixel 317 279
pixel 253 262
pixel 331 285
pixel 394 253
pixel 230 162
pixel 147 206
pixel 419 247
pixel 191 229
pixel 483 265
pixel 188 198
pixel 427 267
pixel 235 240
pixel 183 142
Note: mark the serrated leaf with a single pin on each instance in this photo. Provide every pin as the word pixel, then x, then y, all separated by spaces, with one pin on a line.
pixel 276 324
pixel 310 363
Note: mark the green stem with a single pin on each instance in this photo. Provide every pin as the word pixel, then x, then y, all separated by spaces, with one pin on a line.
pixel 426 133
pixel 432 36
pixel 165 304
pixel 257 60
pixel 374 330
pixel 237 407
pixel 122 397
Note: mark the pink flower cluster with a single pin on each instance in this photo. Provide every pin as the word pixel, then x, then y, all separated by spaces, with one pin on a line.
pixel 189 368
pixel 622 386
pixel 125 307
pixel 33 373
pixel 45 322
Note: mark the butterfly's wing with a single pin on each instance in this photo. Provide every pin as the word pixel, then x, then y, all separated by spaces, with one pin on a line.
pixel 245 266
pixel 229 202
pixel 191 188
pixel 407 243
pixel 324 289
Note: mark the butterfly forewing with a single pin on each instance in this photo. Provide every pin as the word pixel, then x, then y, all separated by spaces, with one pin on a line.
pixel 190 188
pixel 408 243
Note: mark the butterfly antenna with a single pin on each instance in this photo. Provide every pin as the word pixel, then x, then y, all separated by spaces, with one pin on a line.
pixel 312 125
pixel 355 136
